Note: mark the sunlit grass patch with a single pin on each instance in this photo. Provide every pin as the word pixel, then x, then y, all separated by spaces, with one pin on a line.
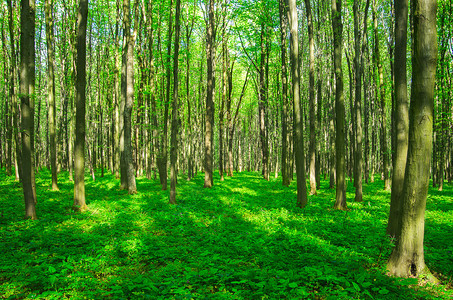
pixel 242 239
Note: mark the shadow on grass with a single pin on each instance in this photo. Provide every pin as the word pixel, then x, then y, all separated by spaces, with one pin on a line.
pixel 241 239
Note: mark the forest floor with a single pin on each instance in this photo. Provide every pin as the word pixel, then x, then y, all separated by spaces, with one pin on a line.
pixel 242 239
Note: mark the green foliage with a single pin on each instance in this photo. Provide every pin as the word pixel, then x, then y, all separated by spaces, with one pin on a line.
pixel 242 239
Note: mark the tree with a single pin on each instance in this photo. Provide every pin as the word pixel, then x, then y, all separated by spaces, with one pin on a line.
pixel 401 115
pixel 27 91
pixel 380 84
pixel 312 104
pixel 337 27
pixel 407 258
pixel 209 129
pixel 80 99
pixel 283 12
pixel 298 125
pixel 358 66
pixel 127 88
pixel 174 113
pixel 51 91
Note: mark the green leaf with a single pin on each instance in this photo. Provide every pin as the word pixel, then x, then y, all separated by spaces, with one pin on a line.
pixel 384 291
pixel 293 285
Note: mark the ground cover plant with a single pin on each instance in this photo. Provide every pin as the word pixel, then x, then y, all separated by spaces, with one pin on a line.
pixel 242 239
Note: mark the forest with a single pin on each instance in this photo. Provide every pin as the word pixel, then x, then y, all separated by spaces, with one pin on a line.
pixel 226 149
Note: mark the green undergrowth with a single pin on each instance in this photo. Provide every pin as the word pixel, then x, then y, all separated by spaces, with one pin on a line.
pixel 242 239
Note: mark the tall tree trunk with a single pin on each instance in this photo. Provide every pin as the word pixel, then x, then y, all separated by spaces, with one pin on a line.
pixel 337 27
pixel 12 93
pixel 222 106
pixel 407 258
pixel 298 125
pixel 332 160
pixel 312 104
pixel 209 134
pixel 283 12
pixel 359 38
pixel 174 113
pixel 262 107
pixel 27 90
pixel 51 91
pixel 191 144
pixel 128 51
pixel 401 115
pixel 383 118
pixel 79 145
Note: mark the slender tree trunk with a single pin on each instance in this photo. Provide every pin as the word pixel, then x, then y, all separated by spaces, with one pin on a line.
pixel 407 258
pixel 27 90
pixel 337 27
pixel 298 125
pixel 12 93
pixel 209 130
pixel 401 115
pixel 129 100
pixel 332 160
pixel 383 118
pixel 262 106
pixel 359 38
pixel 79 145
pixel 312 104
pixel 174 117
pixel 283 12
pixel 51 91
pixel 222 106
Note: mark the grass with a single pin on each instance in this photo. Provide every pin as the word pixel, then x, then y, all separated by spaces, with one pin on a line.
pixel 242 239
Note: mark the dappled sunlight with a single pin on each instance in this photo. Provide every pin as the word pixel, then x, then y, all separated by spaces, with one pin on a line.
pixel 242 238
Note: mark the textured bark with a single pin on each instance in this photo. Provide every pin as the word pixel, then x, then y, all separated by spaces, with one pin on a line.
pixel 174 113
pixel 27 89
pixel 401 115
pixel 383 118
pixel 209 129
pixel 80 97
pixel 222 106
pixel 312 104
pixel 298 125
pixel 51 91
pixel 332 161
pixel 12 94
pixel 359 38
pixel 262 105
pixel 191 146
pixel 283 12
pixel 129 100
pixel 407 258
pixel 337 27
pixel 232 126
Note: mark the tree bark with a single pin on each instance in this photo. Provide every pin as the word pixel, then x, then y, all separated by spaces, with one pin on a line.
pixel 12 93
pixel 283 12
pixel 401 115
pixel 209 130
pixel 312 104
pixel 174 113
pixel 51 91
pixel 79 145
pixel 407 258
pixel 359 38
pixel 27 90
pixel 262 106
pixel 337 27
pixel 128 150
pixel 383 118
pixel 298 125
